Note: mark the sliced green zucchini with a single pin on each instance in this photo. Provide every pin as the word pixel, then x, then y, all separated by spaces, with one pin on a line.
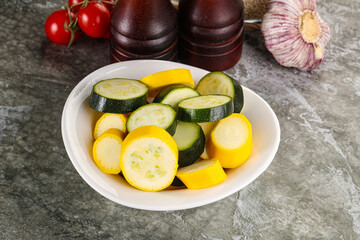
pixel 221 83
pixel 190 140
pixel 174 93
pixel 118 95
pixel 207 108
pixel 156 114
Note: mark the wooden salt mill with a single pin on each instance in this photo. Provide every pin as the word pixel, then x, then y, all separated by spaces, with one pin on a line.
pixel 144 29
pixel 210 33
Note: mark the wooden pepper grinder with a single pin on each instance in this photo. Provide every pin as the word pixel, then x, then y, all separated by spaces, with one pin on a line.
pixel 144 29
pixel 211 33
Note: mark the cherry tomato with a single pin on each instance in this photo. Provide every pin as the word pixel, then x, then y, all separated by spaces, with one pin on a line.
pixel 94 19
pixel 54 27
pixel 73 2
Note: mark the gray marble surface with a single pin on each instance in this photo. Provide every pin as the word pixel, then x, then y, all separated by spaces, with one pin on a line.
pixel 310 191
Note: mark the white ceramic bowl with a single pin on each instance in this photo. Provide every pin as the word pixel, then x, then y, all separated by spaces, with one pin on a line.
pixel 78 121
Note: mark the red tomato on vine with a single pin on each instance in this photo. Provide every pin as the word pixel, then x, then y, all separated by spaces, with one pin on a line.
pixel 59 27
pixel 94 19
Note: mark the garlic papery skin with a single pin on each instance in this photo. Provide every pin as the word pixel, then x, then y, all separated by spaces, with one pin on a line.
pixel 295 34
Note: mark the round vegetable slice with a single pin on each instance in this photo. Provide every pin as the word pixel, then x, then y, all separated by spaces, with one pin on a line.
pixel 175 93
pixel 190 141
pixel 231 141
pixel 159 80
pixel 206 108
pixel 110 120
pixel 149 158
pixel 106 151
pixel 202 174
pixel 118 95
pixel 156 114
pixel 221 83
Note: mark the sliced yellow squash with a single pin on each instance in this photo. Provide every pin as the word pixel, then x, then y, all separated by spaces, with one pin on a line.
pixel 202 174
pixel 149 158
pixel 106 151
pixel 231 141
pixel 110 120
pixel 159 80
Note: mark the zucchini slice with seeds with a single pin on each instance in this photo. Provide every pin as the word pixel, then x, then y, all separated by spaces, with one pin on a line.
pixel 174 93
pixel 190 140
pixel 118 95
pixel 205 108
pixel 221 83
pixel 155 114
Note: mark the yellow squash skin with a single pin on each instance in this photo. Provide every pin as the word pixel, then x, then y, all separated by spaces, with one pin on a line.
pixel 202 177
pixel 230 158
pixel 159 80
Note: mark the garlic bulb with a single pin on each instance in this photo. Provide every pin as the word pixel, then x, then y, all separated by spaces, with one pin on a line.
pixel 295 33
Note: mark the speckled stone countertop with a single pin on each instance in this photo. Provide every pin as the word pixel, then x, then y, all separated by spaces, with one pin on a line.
pixel 310 191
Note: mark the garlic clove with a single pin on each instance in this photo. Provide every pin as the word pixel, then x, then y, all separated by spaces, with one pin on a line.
pixel 295 33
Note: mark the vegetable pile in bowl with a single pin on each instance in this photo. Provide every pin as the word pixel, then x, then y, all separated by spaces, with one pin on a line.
pixel 164 131
pixel 79 122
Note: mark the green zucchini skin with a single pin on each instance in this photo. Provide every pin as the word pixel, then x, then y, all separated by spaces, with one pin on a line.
pixel 165 93
pixel 238 96
pixel 177 182
pixel 205 114
pixel 113 105
pixel 190 155
pixel 108 105
pixel 172 128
